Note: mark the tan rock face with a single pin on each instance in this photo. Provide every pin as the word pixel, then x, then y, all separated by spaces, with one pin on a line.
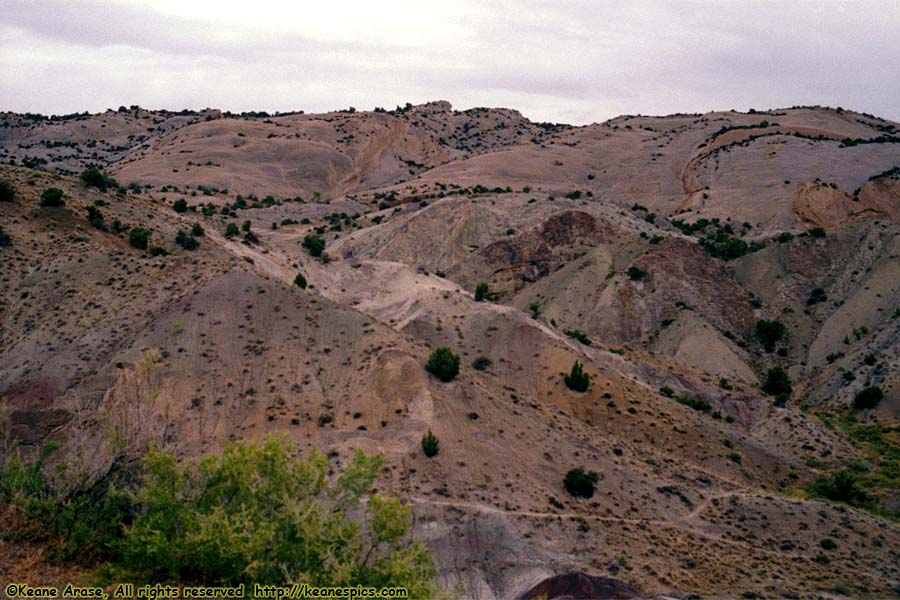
pixel 881 198
pixel 820 205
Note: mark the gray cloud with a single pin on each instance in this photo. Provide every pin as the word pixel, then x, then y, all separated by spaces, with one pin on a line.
pixel 559 61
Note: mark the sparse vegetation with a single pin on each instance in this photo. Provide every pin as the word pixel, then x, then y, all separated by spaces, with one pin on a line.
pixel 232 230
pixel 443 364
pixel 482 292
pixel 577 380
pixel 5 238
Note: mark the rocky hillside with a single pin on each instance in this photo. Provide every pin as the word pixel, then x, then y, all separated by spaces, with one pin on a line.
pixel 730 283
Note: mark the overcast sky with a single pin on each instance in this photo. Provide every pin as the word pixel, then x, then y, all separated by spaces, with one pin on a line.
pixel 565 61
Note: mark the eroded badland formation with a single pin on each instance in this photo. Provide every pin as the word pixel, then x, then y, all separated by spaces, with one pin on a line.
pixel 646 248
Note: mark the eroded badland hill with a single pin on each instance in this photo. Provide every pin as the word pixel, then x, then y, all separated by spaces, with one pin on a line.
pixel 680 259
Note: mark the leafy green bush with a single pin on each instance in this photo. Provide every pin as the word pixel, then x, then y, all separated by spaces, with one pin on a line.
pixel 840 487
pixel 197 230
pixel 695 403
pixel 578 335
pixel 186 240
pixel 481 363
pixel 7 191
pixel 231 230
pixel 256 514
pixel 180 205
pixel 313 244
pixel 577 380
pixel 95 217
pixel 300 281
pixel 52 198
pixel 443 364
pixel 481 292
pixel 158 251
pixel 636 274
pixel 769 333
pixel 725 247
pixel 721 243
pixel 868 397
pixel 816 296
pixel 5 239
pixel 85 524
pixel 94 177
pixel 817 232
pixel 778 384
pixel 139 237
pixel 580 483
pixel 430 444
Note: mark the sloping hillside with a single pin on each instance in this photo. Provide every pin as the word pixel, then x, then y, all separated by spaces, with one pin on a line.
pixel 647 249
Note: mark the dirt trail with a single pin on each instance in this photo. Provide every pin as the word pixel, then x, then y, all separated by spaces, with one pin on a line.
pixel 487 508
pixel 673 522
pixel 680 523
